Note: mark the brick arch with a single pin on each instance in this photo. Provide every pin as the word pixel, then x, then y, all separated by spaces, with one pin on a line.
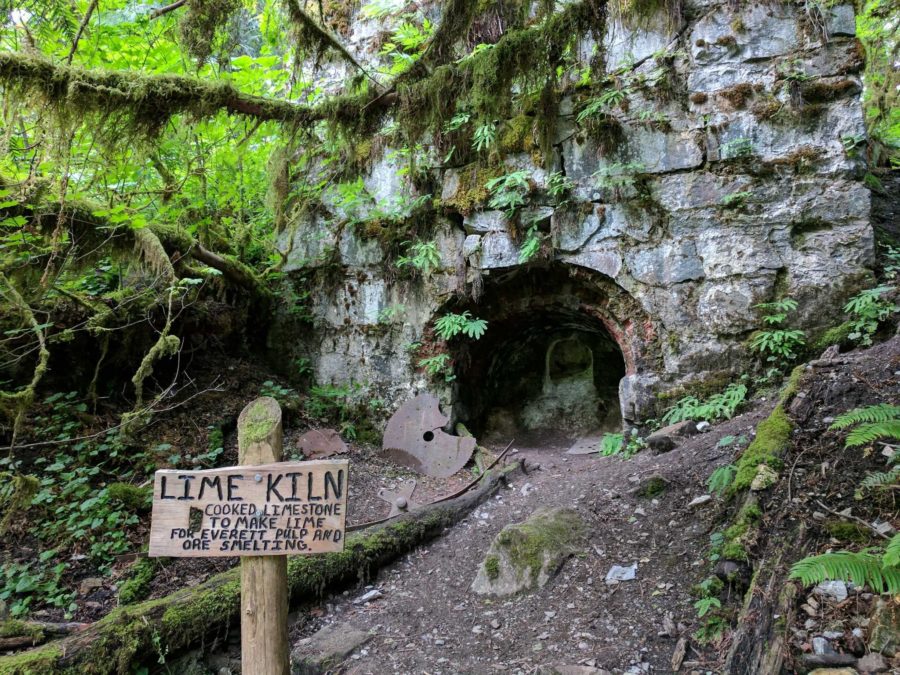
pixel 522 302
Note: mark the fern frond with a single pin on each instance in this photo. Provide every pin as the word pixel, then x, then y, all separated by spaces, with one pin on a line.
pixel 863 569
pixel 880 479
pixel 874 413
pixel 892 552
pixel 869 433
pixel 721 478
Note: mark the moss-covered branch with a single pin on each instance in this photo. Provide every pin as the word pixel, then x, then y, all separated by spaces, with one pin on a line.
pixel 308 30
pixel 149 100
pixel 158 243
pixel 19 401
pixel 183 619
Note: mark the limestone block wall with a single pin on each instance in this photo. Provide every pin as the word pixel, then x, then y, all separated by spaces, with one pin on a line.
pixel 741 185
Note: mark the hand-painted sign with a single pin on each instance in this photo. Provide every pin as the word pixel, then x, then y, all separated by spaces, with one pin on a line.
pixel 288 508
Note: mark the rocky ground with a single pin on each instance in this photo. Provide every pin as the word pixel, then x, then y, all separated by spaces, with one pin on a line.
pixel 421 615
pixel 425 618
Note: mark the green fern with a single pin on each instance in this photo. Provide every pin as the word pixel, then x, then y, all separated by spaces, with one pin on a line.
pixel 703 605
pixel 874 413
pixel 869 433
pixel 892 552
pixel 880 479
pixel 863 569
pixel 611 444
pixel 721 478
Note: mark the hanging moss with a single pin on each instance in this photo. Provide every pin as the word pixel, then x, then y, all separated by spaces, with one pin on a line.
pixel 520 135
pixel 643 13
pixel 314 39
pixel 200 23
pixel 337 15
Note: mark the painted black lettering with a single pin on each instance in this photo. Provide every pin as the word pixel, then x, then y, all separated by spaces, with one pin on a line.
pixel 187 478
pixel 271 488
pixel 162 489
pixel 232 488
pixel 294 476
pixel 338 486
pixel 215 482
pixel 309 490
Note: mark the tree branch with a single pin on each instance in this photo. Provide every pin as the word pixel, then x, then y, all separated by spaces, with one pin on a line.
pixel 156 13
pixel 81 28
pixel 153 99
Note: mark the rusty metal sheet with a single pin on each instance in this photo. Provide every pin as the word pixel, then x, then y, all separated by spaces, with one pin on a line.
pixel 400 499
pixel 321 443
pixel 414 438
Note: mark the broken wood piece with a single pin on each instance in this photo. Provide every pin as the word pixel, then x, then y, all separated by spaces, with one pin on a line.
pixel 414 438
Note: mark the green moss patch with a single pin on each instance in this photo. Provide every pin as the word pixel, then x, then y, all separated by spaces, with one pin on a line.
pixel 524 556
pixel 772 438
pixel 472 193
pixel 135 499
pixel 849 533
pixel 833 336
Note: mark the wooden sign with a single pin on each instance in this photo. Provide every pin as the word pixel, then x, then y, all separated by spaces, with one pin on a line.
pixel 286 508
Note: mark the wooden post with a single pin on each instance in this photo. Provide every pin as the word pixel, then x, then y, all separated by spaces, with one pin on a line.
pixel 264 593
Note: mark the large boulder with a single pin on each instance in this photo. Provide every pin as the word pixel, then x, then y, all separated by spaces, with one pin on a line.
pixel 527 555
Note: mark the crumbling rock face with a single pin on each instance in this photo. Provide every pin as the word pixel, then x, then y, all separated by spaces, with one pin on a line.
pixel 745 193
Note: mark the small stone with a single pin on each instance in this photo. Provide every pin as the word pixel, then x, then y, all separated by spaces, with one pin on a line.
pixel 833 634
pixel 809 624
pixel 883 527
pixel 89 584
pixel 699 501
pixel 374 594
pixel 821 646
pixel 495 624
pixel 439 642
pixel 872 662
pixel 836 590
pixel 478 630
pixel 703 426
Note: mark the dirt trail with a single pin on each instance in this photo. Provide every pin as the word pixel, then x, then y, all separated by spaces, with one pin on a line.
pixel 427 620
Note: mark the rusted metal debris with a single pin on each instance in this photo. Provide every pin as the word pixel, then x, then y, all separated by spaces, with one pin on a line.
pixel 321 443
pixel 400 499
pixel 413 438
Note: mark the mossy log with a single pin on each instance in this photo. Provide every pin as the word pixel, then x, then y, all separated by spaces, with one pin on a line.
pixel 187 617
pixel 758 643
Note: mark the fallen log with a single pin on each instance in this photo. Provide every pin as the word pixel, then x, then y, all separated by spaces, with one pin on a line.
pixel 192 615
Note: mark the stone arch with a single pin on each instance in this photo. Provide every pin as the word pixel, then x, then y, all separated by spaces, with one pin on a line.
pixel 532 311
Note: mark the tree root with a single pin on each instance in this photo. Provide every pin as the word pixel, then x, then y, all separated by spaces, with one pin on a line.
pixel 187 617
